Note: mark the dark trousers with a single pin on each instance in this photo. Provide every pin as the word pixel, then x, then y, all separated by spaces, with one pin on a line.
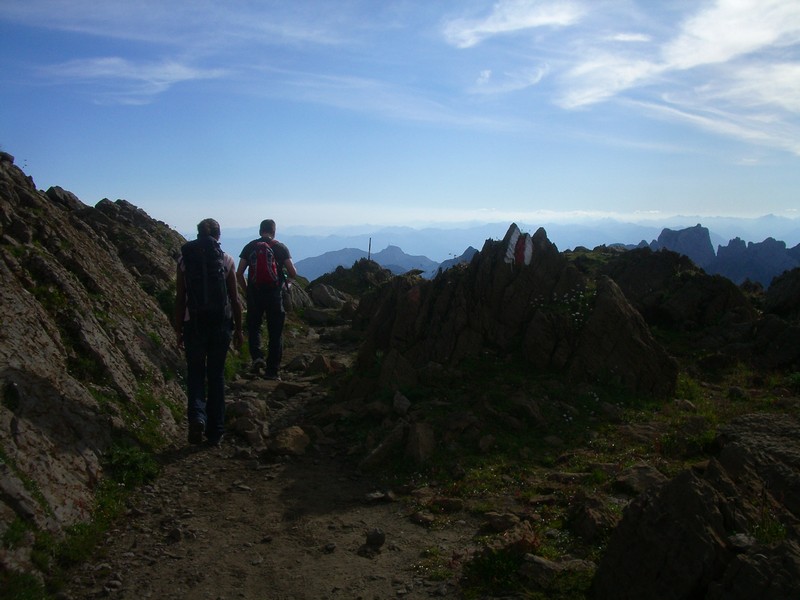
pixel 206 350
pixel 266 304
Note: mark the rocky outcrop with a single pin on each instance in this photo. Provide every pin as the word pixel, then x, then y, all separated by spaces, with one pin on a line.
pixel 783 296
pixel 757 262
pixel 520 297
pixel 760 262
pixel 87 358
pixel 694 242
pixel 726 529
pixel 671 292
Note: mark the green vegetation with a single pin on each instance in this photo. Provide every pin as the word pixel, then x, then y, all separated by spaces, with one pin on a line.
pixel 509 430
pixel 127 466
pixel 493 572
pixel 434 565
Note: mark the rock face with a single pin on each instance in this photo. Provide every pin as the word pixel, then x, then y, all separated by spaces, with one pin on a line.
pixel 694 242
pixel 87 357
pixel 757 262
pixel 760 262
pixel 729 530
pixel 518 297
pixel 783 296
pixel 670 291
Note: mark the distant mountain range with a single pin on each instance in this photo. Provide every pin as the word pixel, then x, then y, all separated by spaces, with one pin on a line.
pixel 426 249
pixel 392 258
pixel 758 262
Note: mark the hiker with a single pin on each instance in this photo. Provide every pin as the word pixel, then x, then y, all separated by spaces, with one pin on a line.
pixel 207 316
pixel 269 269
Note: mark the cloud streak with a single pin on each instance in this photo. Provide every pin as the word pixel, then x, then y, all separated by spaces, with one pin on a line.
pixel 511 16
pixel 125 81
pixel 721 66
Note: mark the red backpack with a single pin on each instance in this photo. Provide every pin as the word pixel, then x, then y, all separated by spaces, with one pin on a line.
pixel 263 269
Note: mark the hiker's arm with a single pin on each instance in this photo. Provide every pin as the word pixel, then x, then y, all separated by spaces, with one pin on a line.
pixel 290 270
pixel 180 306
pixel 233 296
pixel 243 262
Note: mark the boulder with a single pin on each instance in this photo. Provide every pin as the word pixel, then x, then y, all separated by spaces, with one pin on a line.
pixel 677 540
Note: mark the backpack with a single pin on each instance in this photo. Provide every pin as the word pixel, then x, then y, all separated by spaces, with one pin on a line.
pixel 263 267
pixel 206 289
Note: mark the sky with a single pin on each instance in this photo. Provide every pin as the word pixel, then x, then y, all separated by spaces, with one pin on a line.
pixel 321 113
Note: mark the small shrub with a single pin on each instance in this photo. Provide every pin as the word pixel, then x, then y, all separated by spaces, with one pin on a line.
pixel 14 533
pixel 130 466
pixel 21 586
pixel 493 572
pixel 793 382
pixel 434 565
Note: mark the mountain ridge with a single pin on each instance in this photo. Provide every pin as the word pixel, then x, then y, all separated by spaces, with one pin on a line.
pixel 758 262
pixel 444 243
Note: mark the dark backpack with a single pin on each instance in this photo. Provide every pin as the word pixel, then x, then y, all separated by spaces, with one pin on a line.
pixel 263 266
pixel 206 289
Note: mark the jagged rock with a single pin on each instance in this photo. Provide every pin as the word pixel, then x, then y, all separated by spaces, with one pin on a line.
pixel 500 522
pixel 401 404
pixel 392 442
pixel 320 365
pixel 248 420
pixel 86 348
pixel 520 539
pixel 544 574
pixel 783 295
pixel 421 442
pixel 376 537
pixel 694 242
pixel 296 298
pixel 290 441
pixel 321 316
pixel 365 276
pixel 591 518
pixel 327 296
pixel 674 540
pixel 755 261
pixel 770 343
pixel 671 292
pixel 566 322
pixel 639 478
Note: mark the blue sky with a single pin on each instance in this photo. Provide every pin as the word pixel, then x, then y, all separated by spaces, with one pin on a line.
pixel 407 112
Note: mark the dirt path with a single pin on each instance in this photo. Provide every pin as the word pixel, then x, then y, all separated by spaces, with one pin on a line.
pixel 221 524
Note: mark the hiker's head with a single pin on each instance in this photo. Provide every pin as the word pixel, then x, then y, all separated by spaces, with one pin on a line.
pixel 267 227
pixel 208 227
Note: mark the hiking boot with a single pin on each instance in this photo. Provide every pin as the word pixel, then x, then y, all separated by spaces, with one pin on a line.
pixel 196 430
pixel 258 365
pixel 272 377
pixel 217 442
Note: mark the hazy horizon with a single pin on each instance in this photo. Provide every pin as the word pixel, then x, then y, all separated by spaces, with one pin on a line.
pixel 443 243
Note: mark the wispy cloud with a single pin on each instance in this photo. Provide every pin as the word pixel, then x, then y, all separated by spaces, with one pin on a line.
pixel 509 16
pixel 508 81
pixel 125 81
pixel 379 98
pixel 604 77
pixel 722 71
pixel 732 28
pixel 722 66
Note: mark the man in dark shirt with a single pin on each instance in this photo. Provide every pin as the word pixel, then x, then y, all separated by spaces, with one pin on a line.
pixel 204 325
pixel 265 300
